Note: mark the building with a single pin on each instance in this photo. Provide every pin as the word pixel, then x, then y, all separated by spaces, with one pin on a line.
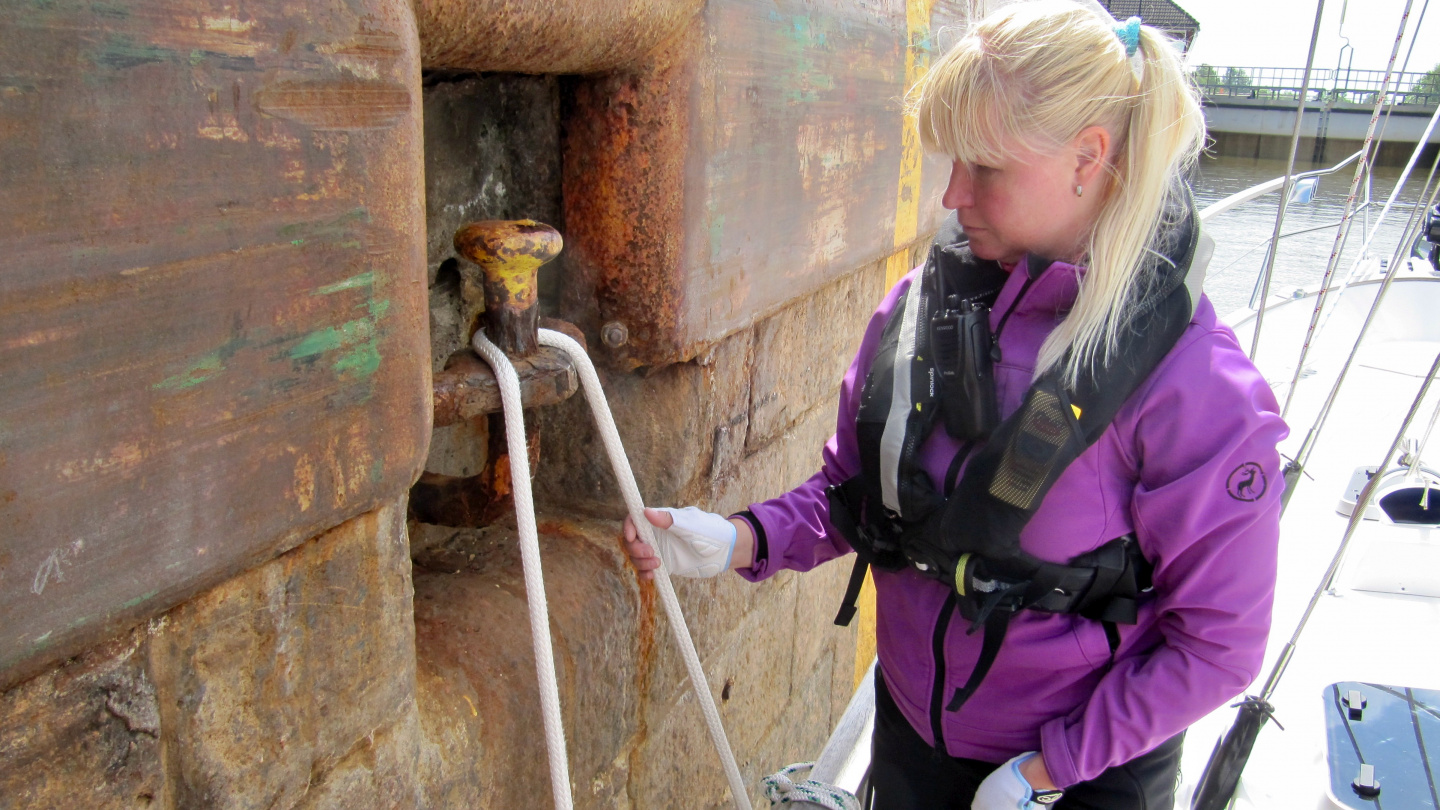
pixel 1162 14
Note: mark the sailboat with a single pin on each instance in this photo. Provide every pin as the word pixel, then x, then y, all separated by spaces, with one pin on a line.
pixel 1356 715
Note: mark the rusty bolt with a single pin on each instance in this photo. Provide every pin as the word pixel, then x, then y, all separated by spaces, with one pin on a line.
pixel 614 334
pixel 510 254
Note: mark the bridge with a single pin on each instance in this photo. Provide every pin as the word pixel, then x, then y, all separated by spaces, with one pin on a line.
pixel 1251 110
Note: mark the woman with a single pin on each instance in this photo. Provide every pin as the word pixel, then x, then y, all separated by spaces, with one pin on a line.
pixel 1070 136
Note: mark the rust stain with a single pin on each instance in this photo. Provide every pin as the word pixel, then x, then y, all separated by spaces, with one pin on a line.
pixel 337 105
pixel 120 459
pixel 367 44
pixel 504 487
pixel 304 487
pixel 644 662
pixel 624 194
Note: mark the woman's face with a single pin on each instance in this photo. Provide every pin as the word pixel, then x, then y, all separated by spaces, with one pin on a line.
pixel 1028 204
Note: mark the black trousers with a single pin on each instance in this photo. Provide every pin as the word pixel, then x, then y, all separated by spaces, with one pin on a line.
pixel 907 774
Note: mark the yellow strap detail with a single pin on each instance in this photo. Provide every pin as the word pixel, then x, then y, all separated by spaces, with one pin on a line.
pixel 960 573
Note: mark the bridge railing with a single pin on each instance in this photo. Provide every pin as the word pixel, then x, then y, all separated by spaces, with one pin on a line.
pixel 1336 86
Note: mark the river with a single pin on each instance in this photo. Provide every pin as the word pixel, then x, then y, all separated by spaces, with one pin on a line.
pixel 1241 233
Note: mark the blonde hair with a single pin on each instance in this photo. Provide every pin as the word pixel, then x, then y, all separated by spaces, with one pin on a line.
pixel 1034 75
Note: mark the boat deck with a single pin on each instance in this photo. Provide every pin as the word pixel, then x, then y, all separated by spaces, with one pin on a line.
pixel 1353 635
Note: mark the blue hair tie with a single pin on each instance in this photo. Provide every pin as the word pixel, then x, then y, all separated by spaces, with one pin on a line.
pixel 1129 34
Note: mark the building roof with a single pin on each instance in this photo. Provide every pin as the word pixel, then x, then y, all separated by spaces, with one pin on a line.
pixel 1162 14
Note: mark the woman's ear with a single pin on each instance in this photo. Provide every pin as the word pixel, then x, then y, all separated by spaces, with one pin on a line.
pixel 1092 150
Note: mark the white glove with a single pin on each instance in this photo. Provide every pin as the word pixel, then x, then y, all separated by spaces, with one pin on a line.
pixel 1006 789
pixel 698 544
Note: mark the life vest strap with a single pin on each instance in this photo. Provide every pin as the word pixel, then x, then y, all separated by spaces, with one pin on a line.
pixel 996 624
pixel 852 592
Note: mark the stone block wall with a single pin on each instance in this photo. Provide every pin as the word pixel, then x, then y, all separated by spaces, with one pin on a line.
pixel 333 677
pixel 292 685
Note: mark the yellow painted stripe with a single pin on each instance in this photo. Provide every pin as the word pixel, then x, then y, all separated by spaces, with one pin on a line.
pixel 865 627
pixel 907 223
pixel 907 194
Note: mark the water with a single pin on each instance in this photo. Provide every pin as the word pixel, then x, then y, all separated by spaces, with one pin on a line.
pixel 1240 234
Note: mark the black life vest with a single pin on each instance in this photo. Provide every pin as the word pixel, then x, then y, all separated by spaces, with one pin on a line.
pixel 893 514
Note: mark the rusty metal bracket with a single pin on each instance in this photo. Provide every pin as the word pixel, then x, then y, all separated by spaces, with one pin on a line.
pixel 466 388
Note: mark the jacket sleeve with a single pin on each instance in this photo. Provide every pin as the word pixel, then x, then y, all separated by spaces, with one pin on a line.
pixel 1206 511
pixel 796 525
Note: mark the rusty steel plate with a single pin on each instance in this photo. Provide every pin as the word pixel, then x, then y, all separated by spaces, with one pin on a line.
pixel 212 297
pixel 757 157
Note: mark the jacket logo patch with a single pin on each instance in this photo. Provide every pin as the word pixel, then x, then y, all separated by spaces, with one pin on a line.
pixel 1246 482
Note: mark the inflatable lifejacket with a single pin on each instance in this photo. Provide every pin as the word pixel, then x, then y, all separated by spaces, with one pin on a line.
pixel 934 364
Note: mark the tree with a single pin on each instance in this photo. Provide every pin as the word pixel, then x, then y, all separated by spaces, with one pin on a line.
pixel 1426 90
pixel 1236 80
pixel 1206 77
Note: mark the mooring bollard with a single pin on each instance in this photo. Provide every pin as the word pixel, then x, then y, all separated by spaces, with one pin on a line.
pixel 510 254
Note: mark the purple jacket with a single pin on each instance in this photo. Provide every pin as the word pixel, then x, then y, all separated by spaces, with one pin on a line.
pixel 1189 465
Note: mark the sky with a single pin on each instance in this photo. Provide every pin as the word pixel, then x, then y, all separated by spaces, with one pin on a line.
pixel 1276 33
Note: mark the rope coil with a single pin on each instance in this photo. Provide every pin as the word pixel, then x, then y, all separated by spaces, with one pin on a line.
pixel 783 788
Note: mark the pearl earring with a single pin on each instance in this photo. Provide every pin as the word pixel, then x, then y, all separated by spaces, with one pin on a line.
pixel 1079 190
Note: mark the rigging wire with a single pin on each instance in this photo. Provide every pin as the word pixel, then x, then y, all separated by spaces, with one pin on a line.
pixel 1384 124
pixel 1361 169
pixel 1361 504
pixel 1302 456
pixel 1268 273
pixel 1404 66
pixel 1406 239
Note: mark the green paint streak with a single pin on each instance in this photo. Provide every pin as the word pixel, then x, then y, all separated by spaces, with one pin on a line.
pixel 201 370
pixel 144 597
pixel 806 78
pixel 333 228
pixel 114 10
pixel 357 340
pixel 377 471
pixel 333 337
pixel 352 283
pixel 121 52
pixel 363 361
pixel 41 641
pixel 717 234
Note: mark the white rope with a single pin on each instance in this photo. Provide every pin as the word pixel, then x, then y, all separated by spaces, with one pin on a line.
pixel 509 383
pixel 636 508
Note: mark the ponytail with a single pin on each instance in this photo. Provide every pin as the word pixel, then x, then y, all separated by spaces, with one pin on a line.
pixel 1038 73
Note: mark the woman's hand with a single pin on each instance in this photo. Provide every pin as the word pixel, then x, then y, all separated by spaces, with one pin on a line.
pixel 1022 783
pixel 1035 772
pixel 692 543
